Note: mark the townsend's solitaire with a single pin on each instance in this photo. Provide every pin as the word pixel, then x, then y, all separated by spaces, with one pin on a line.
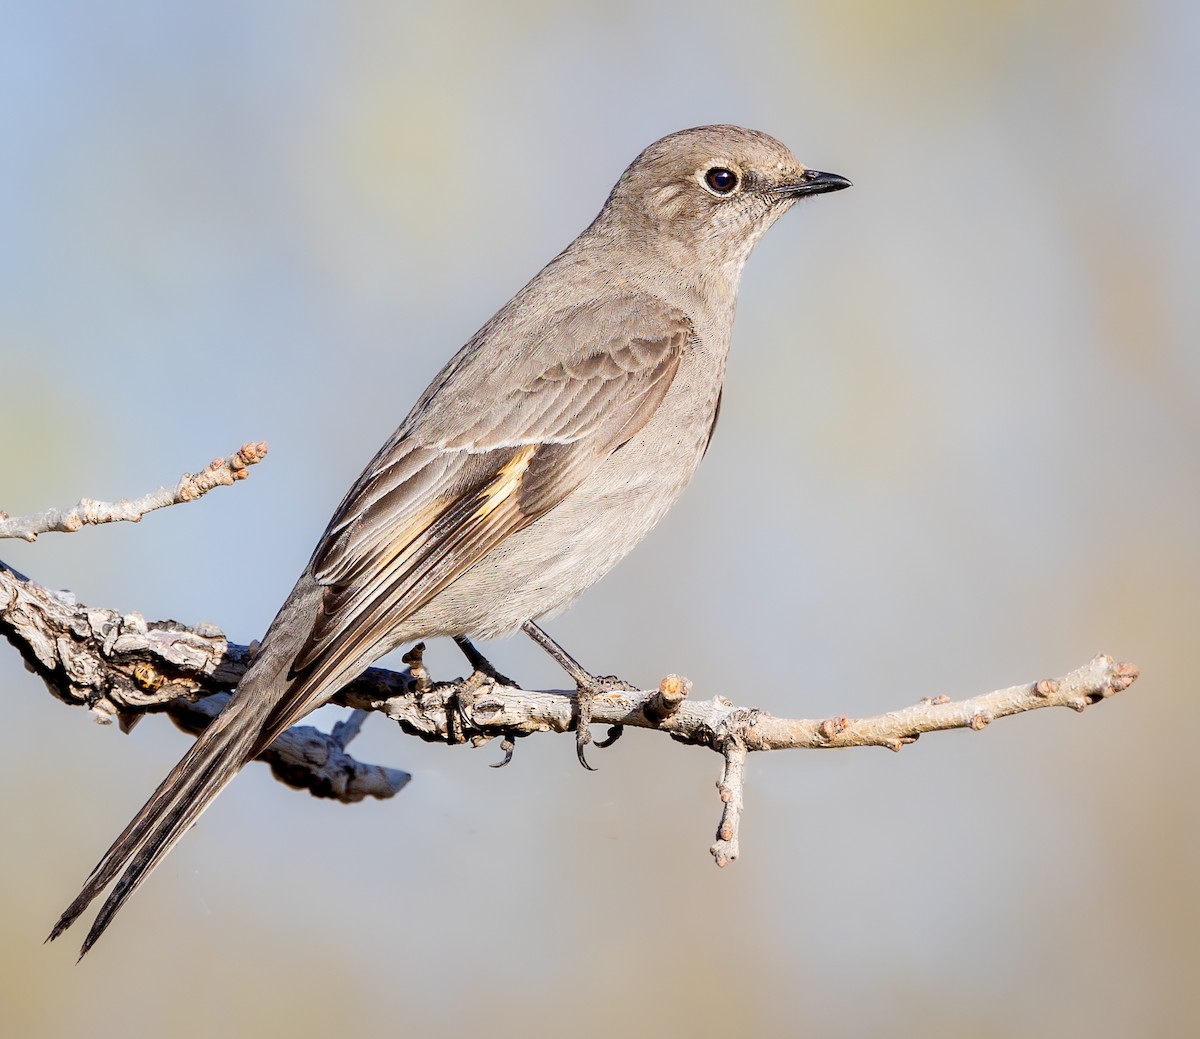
pixel 537 458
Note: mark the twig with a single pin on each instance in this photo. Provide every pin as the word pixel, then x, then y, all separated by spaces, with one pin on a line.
pixel 123 666
pixel 668 698
pixel 730 787
pixel 219 472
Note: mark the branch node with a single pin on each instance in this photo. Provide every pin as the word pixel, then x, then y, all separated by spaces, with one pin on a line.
pixel 831 727
pixel 980 720
pixel 1126 674
pixel 415 659
pixel 671 693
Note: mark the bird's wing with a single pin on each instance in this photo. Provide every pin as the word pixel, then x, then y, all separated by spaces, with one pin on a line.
pixel 444 493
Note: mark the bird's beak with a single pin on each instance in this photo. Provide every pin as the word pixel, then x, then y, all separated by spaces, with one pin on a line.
pixel 812 182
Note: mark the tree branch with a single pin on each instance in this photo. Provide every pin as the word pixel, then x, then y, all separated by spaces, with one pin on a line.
pixel 219 472
pixel 122 666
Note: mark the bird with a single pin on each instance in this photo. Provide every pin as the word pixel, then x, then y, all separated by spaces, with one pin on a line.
pixel 536 459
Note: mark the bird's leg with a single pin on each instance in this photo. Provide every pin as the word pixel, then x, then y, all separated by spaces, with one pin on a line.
pixel 587 687
pixel 479 662
pixel 482 669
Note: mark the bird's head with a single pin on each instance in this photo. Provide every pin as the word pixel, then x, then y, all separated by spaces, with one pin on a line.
pixel 709 194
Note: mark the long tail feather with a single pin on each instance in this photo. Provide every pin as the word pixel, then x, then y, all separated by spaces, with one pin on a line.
pixel 239 733
pixel 213 760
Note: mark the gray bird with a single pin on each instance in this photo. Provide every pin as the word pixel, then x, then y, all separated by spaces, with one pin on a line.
pixel 548 447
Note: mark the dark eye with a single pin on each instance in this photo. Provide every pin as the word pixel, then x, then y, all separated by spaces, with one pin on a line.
pixel 721 180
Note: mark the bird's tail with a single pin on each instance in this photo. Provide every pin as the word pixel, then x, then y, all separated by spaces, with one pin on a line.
pixel 240 732
pixel 213 760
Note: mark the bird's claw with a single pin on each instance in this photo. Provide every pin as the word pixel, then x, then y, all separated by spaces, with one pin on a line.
pixel 586 690
pixel 615 732
pixel 583 735
pixel 508 745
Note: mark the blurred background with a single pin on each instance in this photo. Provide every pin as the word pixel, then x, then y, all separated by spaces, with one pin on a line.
pixel 958 451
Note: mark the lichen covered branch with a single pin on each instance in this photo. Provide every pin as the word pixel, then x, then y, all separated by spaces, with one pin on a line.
pixel 121 667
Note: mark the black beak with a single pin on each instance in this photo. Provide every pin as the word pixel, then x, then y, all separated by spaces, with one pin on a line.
pixel 812 182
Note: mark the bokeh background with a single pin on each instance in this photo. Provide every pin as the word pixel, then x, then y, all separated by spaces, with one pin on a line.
pixel 958 451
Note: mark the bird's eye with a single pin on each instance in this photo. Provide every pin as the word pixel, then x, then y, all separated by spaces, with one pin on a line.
pixel 721 180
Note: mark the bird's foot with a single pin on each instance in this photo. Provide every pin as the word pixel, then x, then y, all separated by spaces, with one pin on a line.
pixel 587 688
pixel 483 672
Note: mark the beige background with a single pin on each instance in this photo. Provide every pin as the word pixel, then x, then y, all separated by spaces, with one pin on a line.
pixel 958 450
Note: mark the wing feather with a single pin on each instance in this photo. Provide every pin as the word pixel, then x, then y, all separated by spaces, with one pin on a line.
pixel 422 516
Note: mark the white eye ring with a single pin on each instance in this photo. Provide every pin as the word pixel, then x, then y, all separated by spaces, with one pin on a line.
pixel 721 180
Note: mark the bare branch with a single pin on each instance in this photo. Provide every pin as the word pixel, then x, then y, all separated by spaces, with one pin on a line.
pixel 120 666
pixel 219 472
pixel 123 666
pixel 730 787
